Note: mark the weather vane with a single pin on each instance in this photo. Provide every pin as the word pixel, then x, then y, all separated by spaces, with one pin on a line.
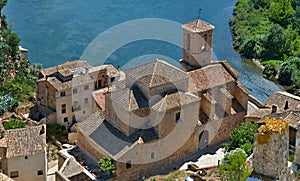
pixel 199 13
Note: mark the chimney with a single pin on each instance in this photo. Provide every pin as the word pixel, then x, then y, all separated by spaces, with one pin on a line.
pixel 286 106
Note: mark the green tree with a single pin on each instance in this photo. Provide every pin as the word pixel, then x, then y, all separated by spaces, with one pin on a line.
pixel 242 137
pixel 233 166
pixel 13 124
pixel 290 72
pixel 106 164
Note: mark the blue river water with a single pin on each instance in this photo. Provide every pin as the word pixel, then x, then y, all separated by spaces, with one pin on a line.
pixel 57 31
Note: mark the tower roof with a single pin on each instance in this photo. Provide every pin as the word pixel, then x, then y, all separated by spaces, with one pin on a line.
pixel 198 26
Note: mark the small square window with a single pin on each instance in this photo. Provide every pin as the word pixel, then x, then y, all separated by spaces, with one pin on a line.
pixel 112 79
pixel 75 91
pixel 40 172
pixel 63 93
pixel 66 119
pixel 86 87
pixel 128 164
pixel 14 174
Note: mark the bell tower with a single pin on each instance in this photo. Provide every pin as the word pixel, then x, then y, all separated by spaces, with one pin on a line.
pixel 197 45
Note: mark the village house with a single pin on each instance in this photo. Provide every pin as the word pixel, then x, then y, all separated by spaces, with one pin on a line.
pixel 70 170
pixel 65 92
pixel 23 153
pixel 157 113
pixel 281 105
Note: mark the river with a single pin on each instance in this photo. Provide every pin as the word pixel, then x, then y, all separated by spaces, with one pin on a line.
pixel 57 31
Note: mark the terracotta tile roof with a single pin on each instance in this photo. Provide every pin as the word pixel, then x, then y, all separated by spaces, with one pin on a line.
pixel 25 141
pixel 129 99
pixel 291 117
pixel 99 97
pixel 58 85
pixel 72 168
pixel 280 98
pixel 198 26
pixel 156 73
pixel 65 67
pixel 95 127
pixel 177 99
pixel 208 77
pixel 111 71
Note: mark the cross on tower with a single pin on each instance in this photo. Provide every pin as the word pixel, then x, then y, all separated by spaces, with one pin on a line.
pixel 199 13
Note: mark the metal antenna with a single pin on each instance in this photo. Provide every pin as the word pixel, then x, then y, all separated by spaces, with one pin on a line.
pixel 199 13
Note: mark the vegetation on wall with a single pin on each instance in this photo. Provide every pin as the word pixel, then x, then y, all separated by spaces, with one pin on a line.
pixel 242 137
pixel 269 30
pixel 17 76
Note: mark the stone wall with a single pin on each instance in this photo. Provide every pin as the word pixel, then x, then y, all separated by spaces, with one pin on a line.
pixel 270 154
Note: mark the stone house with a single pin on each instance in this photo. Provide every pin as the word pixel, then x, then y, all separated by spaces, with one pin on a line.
pixel 23 153
pixel 279 105
pixel 159 114
pixel 64 92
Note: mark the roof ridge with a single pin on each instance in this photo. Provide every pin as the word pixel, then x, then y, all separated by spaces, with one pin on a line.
pixel 154 69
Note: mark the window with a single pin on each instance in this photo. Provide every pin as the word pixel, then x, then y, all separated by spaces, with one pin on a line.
pixel 40 172
pixel 152 155
pixel 26 157
pixel 86 87
pixel 63 108
pixel 86 102
pixel 112 79
pixel 75 91
pixel 75 103
pixel 66 119
pixel 63 93
pixel 128 164
pixel 177 118
pixel 14 174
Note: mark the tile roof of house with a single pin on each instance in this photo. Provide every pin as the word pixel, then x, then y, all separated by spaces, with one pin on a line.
pixel 65 67
pixel 129 99
pixel 156 73
pixel 26 141
pixel 95 127
pixel 280 99
pixel 208 77
pixel 198 26
pixel 291 117
pixel 177 99
pixel 111 71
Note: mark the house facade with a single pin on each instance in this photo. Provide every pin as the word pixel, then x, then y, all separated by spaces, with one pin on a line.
pixel 158 113
pixel 23 153
pixel 65 92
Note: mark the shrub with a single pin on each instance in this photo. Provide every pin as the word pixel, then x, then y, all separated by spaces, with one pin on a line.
pixel 13 124
pixel 6 103
pixel 233 166
pixel 242 137
pixel 106 164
